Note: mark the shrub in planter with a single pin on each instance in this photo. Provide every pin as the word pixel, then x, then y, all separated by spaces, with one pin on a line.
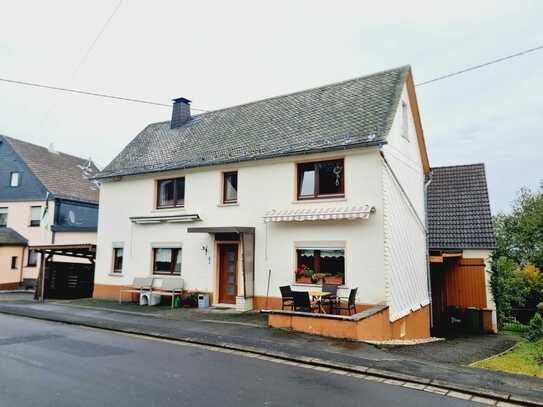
pixel 190 300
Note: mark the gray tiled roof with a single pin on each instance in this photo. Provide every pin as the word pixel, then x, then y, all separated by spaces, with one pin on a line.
pixel 9 237
pixel 65 176
pixel 349 114
pixel 458 208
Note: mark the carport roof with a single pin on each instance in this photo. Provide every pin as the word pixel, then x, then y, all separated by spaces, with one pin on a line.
pixel 86 250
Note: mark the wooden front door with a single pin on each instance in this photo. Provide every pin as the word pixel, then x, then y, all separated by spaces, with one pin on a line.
pixel 228 273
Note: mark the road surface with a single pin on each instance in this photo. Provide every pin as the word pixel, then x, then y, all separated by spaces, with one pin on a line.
pixel 50 364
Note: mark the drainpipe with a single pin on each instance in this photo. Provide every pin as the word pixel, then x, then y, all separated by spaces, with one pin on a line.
pixel 428 276
pixel 22 265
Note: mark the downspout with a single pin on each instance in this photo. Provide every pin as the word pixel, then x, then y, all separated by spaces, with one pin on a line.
pixel 428 275
pixel 22 265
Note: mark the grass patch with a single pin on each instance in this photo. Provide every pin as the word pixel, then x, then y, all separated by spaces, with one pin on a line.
pixel 524 358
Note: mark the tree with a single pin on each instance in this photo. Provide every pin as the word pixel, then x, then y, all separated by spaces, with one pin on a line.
pixel 517 261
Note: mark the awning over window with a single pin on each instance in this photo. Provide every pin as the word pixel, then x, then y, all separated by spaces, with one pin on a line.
pixel 307 214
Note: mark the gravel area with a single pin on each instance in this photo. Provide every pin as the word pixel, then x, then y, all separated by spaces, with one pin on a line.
pixel 461 350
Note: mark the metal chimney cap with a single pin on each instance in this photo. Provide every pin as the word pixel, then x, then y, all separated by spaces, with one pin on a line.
pixel 182 100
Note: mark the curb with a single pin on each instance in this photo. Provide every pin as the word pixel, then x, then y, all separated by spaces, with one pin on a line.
pixel 384 374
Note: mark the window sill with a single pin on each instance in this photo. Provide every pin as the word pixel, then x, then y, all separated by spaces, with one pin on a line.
pixel 116 274
pixel 223 205
pixel 317 200
pixel 161 210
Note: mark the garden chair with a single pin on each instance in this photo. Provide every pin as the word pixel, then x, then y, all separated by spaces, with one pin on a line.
pixel 286 297
pixel 332 298
pixel 302 301
pixel 349 306
pixel 139 286
pixel 171 287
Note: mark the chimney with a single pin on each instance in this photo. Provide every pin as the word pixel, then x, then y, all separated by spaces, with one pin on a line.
pixel 180 112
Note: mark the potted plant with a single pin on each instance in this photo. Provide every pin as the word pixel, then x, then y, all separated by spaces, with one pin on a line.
pixel 304 274
pixel 316 278
pixel 337 279
pixel 190 300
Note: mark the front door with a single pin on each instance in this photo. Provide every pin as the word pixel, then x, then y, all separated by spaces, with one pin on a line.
pixel 228 273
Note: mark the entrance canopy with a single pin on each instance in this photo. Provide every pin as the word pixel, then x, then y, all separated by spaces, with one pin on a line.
pixel 309 214
pixel 247 239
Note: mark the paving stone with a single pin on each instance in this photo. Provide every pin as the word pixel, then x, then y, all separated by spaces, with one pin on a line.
pixel 459 395
pixel 416 386
pixel 436 390
pixel 484 400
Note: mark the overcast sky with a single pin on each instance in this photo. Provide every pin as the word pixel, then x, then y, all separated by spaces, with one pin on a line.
pixel 228 52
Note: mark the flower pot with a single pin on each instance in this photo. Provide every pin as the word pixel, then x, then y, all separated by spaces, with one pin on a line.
pixel 337 280
pixel 304 280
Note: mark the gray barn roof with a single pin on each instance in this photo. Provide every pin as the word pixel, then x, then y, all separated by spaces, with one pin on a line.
pixel 458 208
pixel 349 114
pixel 9 237
pixel 64 175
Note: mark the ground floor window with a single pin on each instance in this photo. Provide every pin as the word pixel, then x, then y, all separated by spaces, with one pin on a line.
pixel 13 262
pixel 167 261
pixel 32 258
pixel 326 265
pixel 118 255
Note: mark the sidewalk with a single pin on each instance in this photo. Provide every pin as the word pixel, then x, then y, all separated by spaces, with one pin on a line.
pixel 326 352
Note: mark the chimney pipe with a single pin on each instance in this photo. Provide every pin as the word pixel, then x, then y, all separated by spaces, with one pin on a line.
pixel 180 112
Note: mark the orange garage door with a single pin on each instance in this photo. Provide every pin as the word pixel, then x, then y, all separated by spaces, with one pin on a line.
pixel 465 283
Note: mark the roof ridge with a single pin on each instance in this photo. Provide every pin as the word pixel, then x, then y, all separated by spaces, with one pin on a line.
pixel 402 67
pixel 458 165
pixel 45 148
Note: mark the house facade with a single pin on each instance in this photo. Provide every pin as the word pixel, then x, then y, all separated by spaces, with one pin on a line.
pixel 46 197
pixel 323 185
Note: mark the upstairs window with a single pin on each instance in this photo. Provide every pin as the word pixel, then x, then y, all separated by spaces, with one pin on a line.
pixel 32 259
pixel 322 179
pixel 35 215
pixel 167 261
pixel 3 217
pixel 118 255
pixel 171 193
pixel 405 121
pixel 230 187
pixel 14 179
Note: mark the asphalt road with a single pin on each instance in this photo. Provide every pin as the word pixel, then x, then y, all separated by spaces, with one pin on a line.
pixel 49 364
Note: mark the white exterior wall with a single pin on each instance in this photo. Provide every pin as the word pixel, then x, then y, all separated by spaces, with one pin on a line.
pixel 262 186
pixel 404 219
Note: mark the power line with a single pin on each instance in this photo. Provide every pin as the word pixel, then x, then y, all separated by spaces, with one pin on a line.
pixel 84 92
pixel 91 47
pixel 472 68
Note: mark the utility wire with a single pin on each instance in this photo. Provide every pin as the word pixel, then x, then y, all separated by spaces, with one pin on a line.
pixel 83 92
pixel 472 68
pixel 91 47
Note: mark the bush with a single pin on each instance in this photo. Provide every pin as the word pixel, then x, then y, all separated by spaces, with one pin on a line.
pixel 535 331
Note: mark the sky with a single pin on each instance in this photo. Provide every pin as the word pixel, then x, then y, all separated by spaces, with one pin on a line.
pixel 220 54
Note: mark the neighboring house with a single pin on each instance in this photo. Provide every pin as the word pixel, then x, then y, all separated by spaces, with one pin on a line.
pixel 461 239
pixel 46 197
pixel 12 253
pixel 236 201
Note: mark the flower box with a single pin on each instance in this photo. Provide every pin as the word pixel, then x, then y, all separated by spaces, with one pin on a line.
pixel 337 280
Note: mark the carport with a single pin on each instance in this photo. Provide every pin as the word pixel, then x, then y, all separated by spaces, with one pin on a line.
pixel 64 279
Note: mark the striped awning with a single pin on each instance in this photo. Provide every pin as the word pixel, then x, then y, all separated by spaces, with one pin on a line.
pixel 307 214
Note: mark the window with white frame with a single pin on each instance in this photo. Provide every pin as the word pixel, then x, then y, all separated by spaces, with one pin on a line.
pixel 14 179
pixel 3 217
pixel 118 257
pixel 32 259
pixel 35 215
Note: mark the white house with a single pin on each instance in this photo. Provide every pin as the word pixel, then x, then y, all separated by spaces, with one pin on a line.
pixel 236 200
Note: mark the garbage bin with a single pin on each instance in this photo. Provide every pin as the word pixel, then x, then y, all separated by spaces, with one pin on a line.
pixel 472 320
pixel 203 300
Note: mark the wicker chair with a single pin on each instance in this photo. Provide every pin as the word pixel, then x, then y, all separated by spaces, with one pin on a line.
pixel 302 302
pixel 286 297
pixel 349 306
